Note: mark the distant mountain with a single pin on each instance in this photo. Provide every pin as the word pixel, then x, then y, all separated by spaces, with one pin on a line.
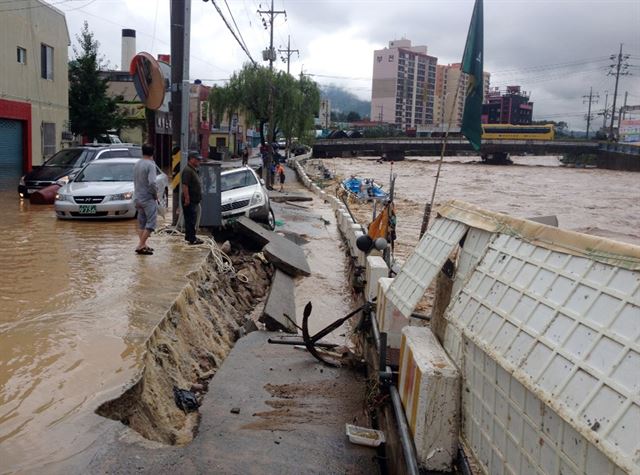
pixel 344 101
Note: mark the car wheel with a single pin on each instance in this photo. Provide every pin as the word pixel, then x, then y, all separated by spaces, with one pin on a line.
pixel 271 223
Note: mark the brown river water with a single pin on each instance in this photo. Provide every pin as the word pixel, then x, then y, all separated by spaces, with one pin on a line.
pixel 76 304
pixel 605 203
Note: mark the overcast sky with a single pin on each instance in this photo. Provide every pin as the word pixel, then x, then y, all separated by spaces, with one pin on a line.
pixel 555 49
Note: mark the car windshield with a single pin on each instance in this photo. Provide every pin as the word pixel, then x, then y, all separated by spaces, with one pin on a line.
pixel 68 158
pixel 106 171
pixel 239 179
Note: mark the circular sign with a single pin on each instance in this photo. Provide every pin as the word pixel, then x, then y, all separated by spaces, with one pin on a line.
pixel 148 80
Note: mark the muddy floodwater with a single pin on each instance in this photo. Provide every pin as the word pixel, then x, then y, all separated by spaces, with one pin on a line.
pixel 600 202
pixel 76 303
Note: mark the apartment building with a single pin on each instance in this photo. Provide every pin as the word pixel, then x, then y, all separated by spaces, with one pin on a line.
pixel 34 85
pixel 447 102
pixel 507 107
pixel 403 85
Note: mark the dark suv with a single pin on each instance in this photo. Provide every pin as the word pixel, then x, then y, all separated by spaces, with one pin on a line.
pixel 65 164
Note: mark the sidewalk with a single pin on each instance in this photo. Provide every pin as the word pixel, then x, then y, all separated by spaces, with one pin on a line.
pixel 270 409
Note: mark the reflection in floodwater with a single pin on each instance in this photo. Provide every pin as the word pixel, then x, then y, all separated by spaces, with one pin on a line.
pixel 76 302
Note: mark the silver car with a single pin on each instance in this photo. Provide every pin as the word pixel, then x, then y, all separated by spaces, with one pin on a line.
pixel 104 189
pixel 243 194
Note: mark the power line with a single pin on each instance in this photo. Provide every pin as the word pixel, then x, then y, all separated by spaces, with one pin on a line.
pixel 236 25
pixel 38 5
pixel 242 46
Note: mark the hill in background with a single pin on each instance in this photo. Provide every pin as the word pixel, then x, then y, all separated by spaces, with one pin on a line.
pixel 345 101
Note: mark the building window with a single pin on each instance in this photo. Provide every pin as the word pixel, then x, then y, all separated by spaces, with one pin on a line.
pixel 46 62
pixel 391 58
pixel 379 59
pixel 48 139
pixel 22 55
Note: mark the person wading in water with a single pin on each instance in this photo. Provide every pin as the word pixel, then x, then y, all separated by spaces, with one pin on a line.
pixel 146 198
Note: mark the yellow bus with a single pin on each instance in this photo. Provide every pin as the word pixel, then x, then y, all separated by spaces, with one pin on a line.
pixel 518 132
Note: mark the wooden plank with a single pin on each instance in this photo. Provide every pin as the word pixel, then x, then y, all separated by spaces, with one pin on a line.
pixel 280 308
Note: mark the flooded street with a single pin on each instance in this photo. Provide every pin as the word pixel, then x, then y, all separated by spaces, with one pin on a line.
pixel 600 202
pixel 76 304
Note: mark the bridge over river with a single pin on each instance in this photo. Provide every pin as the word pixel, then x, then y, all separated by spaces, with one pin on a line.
pixel 612 156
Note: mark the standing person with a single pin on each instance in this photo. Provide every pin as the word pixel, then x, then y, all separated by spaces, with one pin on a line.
pixel 146 198
pixel 245 156
pixel 191 197
pixel 281 176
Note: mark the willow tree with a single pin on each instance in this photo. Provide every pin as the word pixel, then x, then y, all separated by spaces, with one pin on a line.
pixel 295 102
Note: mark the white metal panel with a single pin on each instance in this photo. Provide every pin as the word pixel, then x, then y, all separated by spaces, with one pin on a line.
pixel 475 245
pixel 424 264
pixel 568 328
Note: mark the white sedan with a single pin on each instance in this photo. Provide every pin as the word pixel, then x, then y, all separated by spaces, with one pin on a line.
pixel 104 189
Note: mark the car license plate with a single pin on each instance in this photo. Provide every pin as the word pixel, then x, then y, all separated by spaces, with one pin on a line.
pixel 87 209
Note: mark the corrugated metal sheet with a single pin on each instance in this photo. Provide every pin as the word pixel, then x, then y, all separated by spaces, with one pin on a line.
pixel 567 329
pixel 424 264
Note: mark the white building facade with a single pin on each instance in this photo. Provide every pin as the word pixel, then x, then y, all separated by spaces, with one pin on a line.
pixel 403 85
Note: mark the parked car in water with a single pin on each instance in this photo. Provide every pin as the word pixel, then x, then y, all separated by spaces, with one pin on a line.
pixel 243 194
pixel 104 189
pixel 65 164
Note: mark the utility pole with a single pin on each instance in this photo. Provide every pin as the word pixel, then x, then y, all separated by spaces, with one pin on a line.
pixel 623 110
pixel 591 98
pixel 604 112
pixel 621 64
pixel 271 56
pixel 180 45
pixel 289 52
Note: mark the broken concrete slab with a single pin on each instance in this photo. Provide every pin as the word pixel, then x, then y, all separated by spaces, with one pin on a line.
pixel 280 251
pixel 280 308
pixel 282 197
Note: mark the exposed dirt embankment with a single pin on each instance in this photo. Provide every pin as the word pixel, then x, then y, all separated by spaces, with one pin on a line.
pixel 186 348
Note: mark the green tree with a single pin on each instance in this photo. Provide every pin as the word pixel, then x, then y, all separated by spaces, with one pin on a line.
pixel 295 102
pixel 91 111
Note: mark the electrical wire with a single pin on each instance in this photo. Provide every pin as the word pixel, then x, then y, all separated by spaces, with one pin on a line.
pixel 242 46
pixel 38 5
pixel 236 25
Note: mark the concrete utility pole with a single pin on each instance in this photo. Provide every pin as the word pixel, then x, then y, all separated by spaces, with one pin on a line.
pixel 271 56
pixel 604 112
pixel 180 19
pixel 623 110
pixel 591 98
pixel 620 70
pixel 289 52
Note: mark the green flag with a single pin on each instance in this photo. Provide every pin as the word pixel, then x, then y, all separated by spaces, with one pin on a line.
pixel 472 65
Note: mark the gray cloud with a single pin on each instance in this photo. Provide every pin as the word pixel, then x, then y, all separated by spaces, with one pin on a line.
pixel 555 50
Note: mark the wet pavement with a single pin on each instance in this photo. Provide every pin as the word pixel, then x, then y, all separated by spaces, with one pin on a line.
pixel 79 309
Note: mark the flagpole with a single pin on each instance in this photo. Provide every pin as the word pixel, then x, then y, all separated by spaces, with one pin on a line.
pixel 470 127
pixel 429 205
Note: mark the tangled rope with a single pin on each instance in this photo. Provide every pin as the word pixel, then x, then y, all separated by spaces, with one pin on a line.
pixel 224 264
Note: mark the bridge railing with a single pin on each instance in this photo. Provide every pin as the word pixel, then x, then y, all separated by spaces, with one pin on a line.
pixel 621 148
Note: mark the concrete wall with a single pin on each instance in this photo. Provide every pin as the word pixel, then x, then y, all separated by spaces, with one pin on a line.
pixel 28 24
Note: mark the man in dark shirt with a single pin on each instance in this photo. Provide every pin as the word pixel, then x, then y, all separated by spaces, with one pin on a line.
pixel 191 197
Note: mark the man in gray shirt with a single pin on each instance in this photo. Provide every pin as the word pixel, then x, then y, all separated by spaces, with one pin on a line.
pixel 146 198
